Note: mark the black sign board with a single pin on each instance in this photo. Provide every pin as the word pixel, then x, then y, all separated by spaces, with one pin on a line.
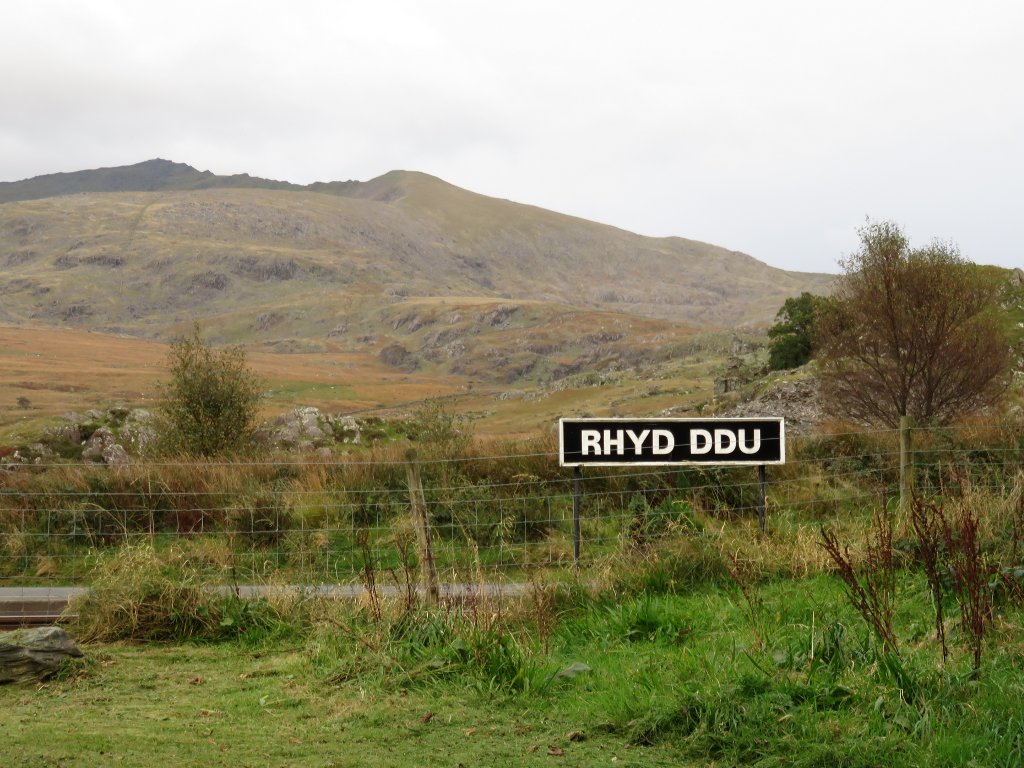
pixel 664 442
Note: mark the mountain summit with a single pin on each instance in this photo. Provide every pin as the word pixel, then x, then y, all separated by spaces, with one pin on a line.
pixel 149 176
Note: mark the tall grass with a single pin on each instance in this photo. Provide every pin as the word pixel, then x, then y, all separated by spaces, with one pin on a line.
pixel 137 594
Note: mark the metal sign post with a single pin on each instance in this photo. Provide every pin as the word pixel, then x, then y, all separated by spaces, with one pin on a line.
pixel 762 484
pixel 577 476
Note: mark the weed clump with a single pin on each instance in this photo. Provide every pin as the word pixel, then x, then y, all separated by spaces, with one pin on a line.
pixel 872 590
pixel 671 567
pixel 137 595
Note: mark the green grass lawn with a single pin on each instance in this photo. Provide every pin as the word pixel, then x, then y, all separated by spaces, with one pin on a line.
pixel 702 676
pixel 219 705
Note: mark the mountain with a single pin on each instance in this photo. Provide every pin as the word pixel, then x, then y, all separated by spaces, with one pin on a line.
pixel 150 176
pixel 403 261
pixel 158 175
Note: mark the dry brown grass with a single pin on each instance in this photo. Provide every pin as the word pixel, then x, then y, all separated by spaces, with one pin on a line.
pixel 66 370
pixel 792 552
pixel 62 370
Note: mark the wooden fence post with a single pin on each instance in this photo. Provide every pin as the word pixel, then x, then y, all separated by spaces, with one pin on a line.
pixel 428 571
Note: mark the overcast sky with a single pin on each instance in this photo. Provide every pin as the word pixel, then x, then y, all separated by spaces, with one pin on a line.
pixel 772 128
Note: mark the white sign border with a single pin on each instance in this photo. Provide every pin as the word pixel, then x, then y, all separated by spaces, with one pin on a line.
pixel 665 419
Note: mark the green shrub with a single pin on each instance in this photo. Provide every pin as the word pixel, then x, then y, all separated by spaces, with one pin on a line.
pixel 670 568
pixel 211 402
pixel 443 645
pixel 134 596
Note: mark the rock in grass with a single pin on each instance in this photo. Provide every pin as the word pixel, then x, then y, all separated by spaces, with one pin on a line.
pixel 27 655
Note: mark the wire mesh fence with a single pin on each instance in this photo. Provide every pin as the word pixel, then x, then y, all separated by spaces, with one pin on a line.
pixel 491 514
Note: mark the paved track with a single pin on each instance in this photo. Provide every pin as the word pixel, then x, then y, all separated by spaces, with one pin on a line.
pixel 25 606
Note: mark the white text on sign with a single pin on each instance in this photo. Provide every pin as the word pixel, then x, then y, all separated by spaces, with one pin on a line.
pixel 724 441
pixel 661 442
pixel 612 442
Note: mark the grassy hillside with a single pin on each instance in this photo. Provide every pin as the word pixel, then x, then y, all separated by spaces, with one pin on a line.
pixel 141 261
pixel 381 293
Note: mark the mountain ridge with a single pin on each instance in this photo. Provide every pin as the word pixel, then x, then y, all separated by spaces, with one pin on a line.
pixel 404 262
pixel 159 174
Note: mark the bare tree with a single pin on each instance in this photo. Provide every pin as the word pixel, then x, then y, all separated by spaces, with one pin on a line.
pixel 914 332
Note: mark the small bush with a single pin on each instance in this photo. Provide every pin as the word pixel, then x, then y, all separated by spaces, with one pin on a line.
pixel 258 521
pixel 646 620
pixel 134 596
pixel 442 645
pixel 212 400
pixel 440 432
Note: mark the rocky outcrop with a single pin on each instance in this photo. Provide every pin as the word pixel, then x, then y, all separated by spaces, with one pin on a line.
pixel 111 437
pixel 103 446
pixel 119 436
pixel 308 428
pixel 796 401
pixel 397 356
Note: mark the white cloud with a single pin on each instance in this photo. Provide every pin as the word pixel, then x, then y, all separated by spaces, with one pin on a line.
pixel 772 128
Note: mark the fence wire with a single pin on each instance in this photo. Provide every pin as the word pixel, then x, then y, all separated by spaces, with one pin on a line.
pixel 490 516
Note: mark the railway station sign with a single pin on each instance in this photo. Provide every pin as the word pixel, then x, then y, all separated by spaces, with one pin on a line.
pixel 668 442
